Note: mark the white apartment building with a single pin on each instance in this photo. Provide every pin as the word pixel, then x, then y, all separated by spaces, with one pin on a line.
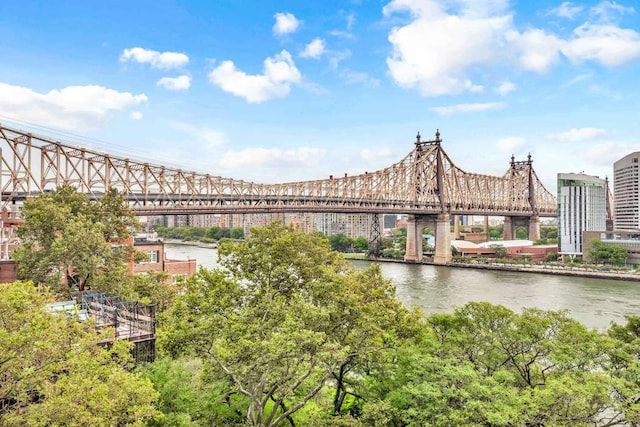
pixel 582 206
pixel 626 193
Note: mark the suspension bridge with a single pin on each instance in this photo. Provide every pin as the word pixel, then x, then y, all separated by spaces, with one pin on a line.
pixel 425 184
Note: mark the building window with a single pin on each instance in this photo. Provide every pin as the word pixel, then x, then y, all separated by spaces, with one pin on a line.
pixel 153 256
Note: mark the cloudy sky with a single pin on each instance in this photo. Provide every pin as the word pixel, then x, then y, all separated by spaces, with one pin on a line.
pixel 275 91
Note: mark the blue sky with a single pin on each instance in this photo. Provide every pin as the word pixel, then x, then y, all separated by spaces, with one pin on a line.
pixel 275 91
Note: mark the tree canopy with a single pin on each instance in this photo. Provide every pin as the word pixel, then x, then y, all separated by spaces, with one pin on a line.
pixel 66 234
pixel 607 253
pixel 285 318
pixel 53 372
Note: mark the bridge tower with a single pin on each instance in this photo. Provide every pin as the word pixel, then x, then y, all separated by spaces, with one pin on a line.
pixel 375 237
pixel 427 155
pixel 518 171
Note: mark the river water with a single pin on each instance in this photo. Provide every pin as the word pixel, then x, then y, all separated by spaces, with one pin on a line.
pixel 594 302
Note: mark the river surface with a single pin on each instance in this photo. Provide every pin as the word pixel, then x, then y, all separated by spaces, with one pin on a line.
pixel 594 302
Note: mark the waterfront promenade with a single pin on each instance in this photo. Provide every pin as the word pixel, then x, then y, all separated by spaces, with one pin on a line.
pixel 563 270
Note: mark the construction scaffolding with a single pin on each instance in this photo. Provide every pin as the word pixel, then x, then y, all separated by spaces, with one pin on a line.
pixel 131 320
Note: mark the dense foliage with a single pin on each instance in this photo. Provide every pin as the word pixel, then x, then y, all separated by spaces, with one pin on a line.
pixel 67 237
pixel 607 253
pixel 53 373
pixel 69 242
pixel 287 332
pixel 286 318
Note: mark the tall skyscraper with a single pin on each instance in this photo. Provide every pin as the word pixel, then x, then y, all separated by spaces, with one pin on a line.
pixel 582 206
pixel 626 193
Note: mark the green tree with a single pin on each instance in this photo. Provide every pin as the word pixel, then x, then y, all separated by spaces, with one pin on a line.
pixel 236 233
pixel 66 234
pixel 495 233
pixel 154 287
pixel 606 253
pixel 340 242
pixel 361 244
pixel 486 365
pixel 559 372
pixel 282 318
pixel 52 372
pixel 500 250
pixel 214 233
pixel 188 398
pixel 549 232
pixel 521 233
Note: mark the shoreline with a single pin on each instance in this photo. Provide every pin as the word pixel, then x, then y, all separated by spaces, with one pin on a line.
pixel 532 268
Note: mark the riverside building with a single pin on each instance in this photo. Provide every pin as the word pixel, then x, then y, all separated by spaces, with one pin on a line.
pixel 626 193
pixel 582 206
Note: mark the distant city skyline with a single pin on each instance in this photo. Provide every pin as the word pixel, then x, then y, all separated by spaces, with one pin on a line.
pixel 280 91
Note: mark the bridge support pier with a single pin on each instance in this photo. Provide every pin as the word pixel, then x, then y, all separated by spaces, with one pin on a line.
pixel 511 223
pixel 413 250
pixel 534 228
pixel 456 226
pixel 441 225
pixel 486 227
pixel 443 240
pixel 508 231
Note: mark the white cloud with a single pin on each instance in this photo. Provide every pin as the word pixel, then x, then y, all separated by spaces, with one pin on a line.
pixel 443 45
pixel 272 157
pixel 606 92
pixel 505 88
pixel 160 60
pixel 607 153
pixel 510 144
pixel 468 108
pixel 278 74
pixel 577 134
pixel 337 56
pixel 209 137
pixel 285 23
pixel 355 77
pixel 72 107
pixel 577 79
pixel 351 19
pixel 536 50
pixel 607 44
pixel 607 11
pixel 314 49
pixel 566 10
pixel 136 115
pixel 436 50
pixel 314 88
pixel 175 83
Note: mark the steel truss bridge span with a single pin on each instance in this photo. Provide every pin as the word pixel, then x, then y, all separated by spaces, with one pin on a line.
pixel 425 181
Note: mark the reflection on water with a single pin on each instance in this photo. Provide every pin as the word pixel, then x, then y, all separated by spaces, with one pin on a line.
pixel 594 302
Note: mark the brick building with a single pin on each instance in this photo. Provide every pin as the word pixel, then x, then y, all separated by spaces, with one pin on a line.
pixel 178 270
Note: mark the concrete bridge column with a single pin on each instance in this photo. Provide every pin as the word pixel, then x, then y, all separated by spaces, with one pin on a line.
pixel 413 252
pixel 443 239
pixel 509 229
pixel 534 228
pixel 456 226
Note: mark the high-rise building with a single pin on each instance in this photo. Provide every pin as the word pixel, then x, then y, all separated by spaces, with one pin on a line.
pixel 626 193
pixel 582 206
